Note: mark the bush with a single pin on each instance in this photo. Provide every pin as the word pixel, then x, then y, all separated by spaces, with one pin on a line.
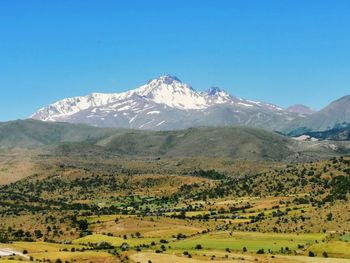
pixel 260 251
pixel 198 246
pixel 311 254
pixel 103 245
pixel 83 225
pixel 125 246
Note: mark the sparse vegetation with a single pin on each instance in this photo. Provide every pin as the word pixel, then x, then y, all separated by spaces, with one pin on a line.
pixel 201 208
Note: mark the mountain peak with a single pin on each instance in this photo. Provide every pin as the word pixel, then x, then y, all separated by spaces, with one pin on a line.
pixel 169 90
pixel 169 79
pixel 213 91
pixel 166 79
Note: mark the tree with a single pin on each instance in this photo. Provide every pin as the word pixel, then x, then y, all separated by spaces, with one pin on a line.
pixel 329 217
pixel 37 233
pixel 83 225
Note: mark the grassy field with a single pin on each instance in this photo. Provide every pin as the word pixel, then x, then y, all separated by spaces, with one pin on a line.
pixel 144 257
pixel 38 247
pixel 51 251
pixel 338 249
pixel 151 227
pixel 252 241
pixel 86 256
pixel 115 241
pixel 345 237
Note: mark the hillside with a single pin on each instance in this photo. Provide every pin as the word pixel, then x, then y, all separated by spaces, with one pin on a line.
pixel 337 134
pixel 233 142
pixel 32 133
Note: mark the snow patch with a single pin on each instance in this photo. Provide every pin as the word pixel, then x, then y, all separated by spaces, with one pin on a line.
pixel 132 119
pixel 245 104
pixel 160 123
pixel 153 112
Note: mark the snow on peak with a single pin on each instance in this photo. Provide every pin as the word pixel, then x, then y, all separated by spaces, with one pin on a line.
pixel 171 91
pixel 167 79
pixel 213 91
pixel 215 95
pixel 166 90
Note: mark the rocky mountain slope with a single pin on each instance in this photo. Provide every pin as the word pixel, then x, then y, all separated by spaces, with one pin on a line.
pixel 334 116
pixel 166 103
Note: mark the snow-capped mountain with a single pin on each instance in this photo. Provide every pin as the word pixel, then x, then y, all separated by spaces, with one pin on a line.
pixel 165 103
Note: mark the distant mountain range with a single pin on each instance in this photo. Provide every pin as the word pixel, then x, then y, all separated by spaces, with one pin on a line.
pixel 66 139
pixel 166 103
pixel 334 116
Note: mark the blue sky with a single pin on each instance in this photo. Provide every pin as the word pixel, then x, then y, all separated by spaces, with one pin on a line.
pixel 282 51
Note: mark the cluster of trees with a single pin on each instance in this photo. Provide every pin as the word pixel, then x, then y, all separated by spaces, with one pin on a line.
pixel 210 174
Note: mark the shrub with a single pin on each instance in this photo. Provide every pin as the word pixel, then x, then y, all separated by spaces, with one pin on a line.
pixel 260 251
pixel 198 246
pixel 311 254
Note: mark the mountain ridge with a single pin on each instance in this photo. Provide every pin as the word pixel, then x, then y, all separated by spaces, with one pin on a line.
pixel 238 142
pixel 167 103
pixel 335 115
pixel 161 104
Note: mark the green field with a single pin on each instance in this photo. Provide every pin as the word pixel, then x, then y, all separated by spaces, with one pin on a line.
pixel 345 237
pixel 339 249
pixel 252 241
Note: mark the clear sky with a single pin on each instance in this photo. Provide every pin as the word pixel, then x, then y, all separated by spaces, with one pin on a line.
pixel 282 51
